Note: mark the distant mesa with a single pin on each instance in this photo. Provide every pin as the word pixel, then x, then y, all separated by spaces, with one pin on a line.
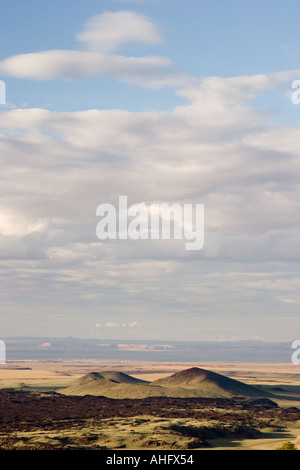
pixel 194 382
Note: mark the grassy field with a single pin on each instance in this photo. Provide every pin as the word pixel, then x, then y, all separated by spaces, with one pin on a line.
pixel 142 431
pixel 50 375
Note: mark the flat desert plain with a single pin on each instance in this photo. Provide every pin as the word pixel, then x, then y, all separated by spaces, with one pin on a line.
pixel 145 405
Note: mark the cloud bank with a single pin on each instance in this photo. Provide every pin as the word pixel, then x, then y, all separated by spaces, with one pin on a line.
pixel 218 149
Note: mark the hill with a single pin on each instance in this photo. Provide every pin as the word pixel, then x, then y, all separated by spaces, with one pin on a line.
pixel 208 383
pixel 189 383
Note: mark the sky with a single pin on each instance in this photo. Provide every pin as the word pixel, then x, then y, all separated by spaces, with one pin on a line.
pixel 162 101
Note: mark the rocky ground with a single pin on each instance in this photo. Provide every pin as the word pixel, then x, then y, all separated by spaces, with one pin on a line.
pixel 33 420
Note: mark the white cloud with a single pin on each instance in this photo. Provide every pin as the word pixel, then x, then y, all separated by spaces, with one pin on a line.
pixel 221 103
pixel 103 34
pixel 45 345
pixel 217 150
pixel 133 324
pixel 19 226
pixel 235 165
pixel 291 301
pixel 110 30
pixel 151 71
pixel 112 325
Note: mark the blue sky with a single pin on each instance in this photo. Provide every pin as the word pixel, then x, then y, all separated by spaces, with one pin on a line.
pixel 202 38
pixel 164 101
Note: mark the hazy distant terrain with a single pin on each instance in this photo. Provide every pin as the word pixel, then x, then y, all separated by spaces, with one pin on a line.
pixel 179 351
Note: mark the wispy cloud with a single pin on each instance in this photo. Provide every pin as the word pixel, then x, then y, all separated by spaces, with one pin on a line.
pixel 133 324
